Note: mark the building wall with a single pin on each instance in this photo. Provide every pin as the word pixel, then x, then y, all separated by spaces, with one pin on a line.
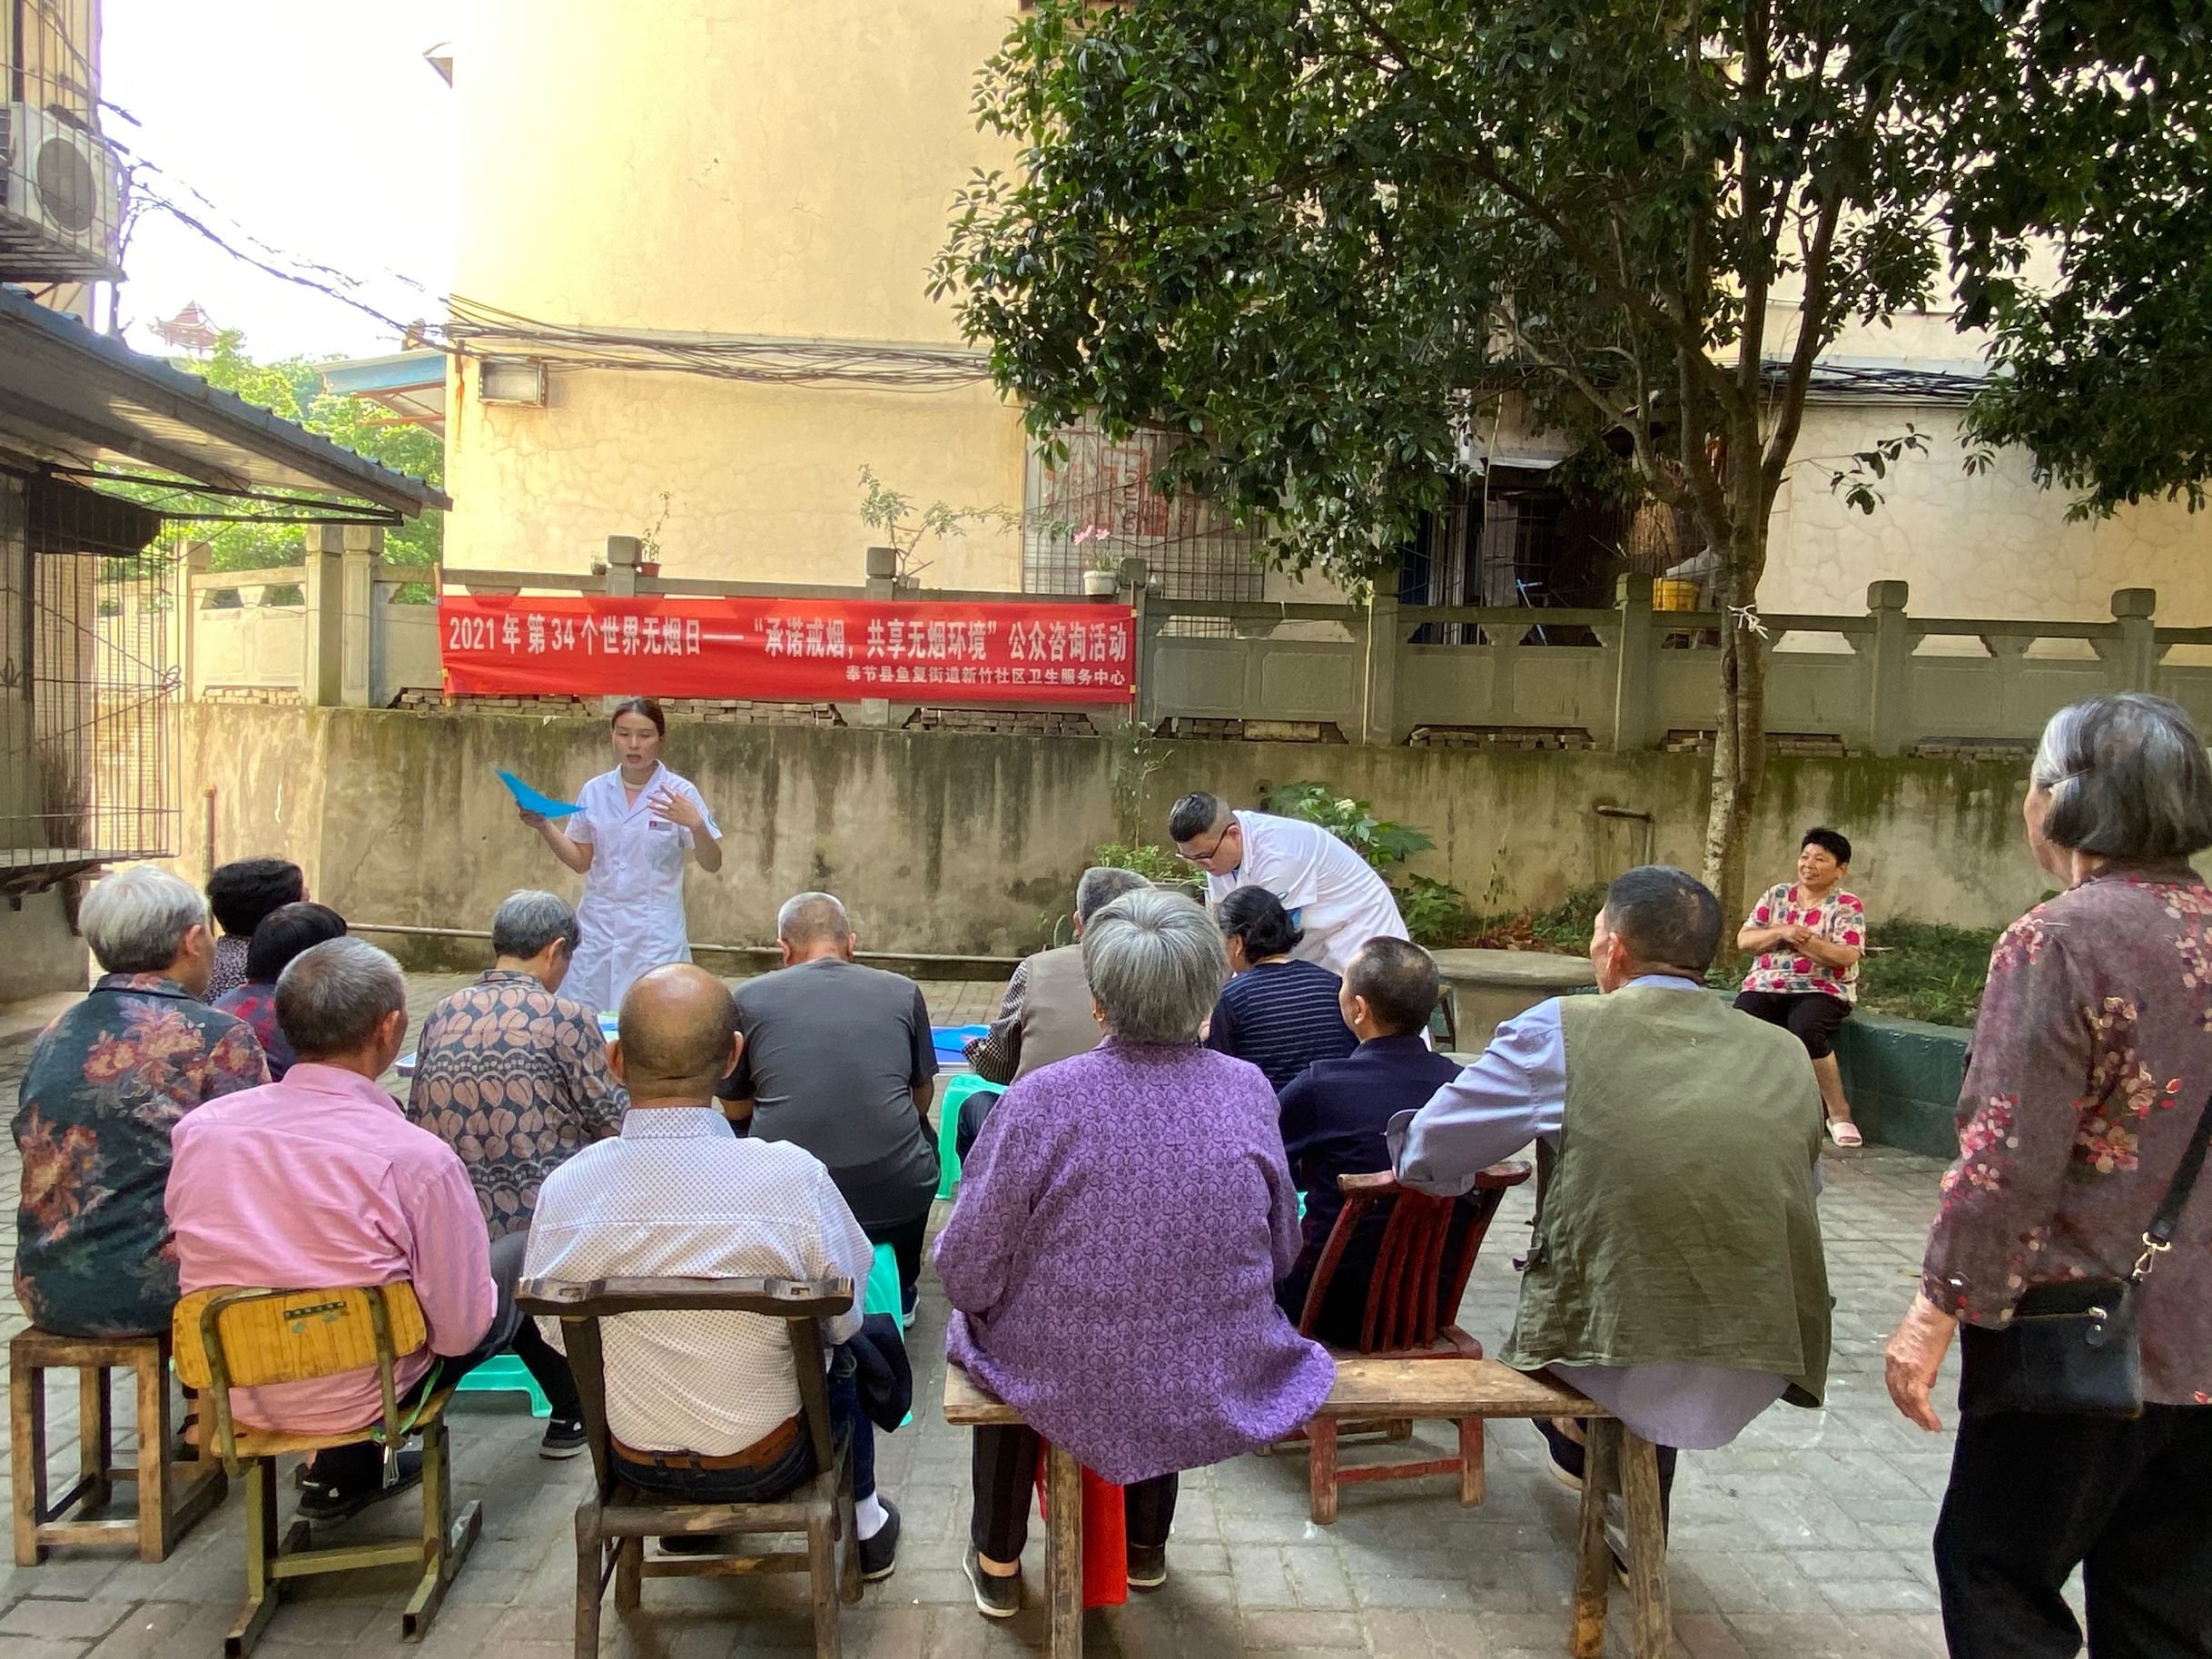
pixel 40 953
pixel 1989 545
pixel 743 168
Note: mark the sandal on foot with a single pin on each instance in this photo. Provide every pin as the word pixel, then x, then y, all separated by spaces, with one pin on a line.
pixel 1845 1132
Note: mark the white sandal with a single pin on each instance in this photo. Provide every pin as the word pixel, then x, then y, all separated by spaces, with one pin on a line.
pixel 1845 1132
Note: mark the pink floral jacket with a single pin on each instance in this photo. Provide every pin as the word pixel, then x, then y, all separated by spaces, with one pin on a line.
pixel 2092 1058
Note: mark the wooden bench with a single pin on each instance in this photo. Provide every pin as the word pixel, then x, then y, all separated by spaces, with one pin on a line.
pixel 1386 1388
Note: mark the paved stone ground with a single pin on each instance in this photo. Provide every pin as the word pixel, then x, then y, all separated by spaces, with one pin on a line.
pixel 1806 1539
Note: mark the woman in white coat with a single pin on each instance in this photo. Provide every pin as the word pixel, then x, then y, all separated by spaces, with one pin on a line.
pixel 627 841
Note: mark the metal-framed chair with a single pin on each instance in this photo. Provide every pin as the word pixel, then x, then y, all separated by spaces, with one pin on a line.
pixel 244 1337
pixel 614 1519
pixel 1421 1268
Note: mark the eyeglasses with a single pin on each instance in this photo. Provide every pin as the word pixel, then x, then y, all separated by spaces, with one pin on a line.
pixel 1200 858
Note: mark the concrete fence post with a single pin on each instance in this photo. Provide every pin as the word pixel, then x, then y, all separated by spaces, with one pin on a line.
pixel 361 556
pixel 2132 658
pixel 623 552
pixel 1386 644
pixel 1636 714
pixel 1888 670
pixel 322 662
pixel 880 578
pixel 1137 585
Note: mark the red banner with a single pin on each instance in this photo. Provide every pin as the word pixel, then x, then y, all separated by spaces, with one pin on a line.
pixel 787 650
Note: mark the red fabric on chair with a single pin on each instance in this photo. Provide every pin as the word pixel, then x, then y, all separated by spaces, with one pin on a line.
pixel 1105 1536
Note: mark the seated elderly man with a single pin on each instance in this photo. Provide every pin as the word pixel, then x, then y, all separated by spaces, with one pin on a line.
pixel 838 1059
pixel 243 893
pixel 704 1407
pixel 1046 1013
pixel 1335 1114
pixel 514 1077
pixel 105 1084
pixel 1676 1274
pixel 318 1181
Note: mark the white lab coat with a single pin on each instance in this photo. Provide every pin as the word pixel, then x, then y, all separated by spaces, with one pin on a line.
pixel 632 911
pixel 1331 891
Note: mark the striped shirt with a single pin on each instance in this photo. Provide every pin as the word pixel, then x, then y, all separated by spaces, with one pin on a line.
pixel 1282 1016
pixel 677 1194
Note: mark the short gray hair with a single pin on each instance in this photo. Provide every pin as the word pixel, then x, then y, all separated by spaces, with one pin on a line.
pixel 328 1001
pixel 1155 964
pixel 136 919
pixel 807 916
pixel 530 919
pixel 2129 779
pixel 1100 886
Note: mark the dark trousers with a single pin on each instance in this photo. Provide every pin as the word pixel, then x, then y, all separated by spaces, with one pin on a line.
pixel 2033 1496
pixel 1812 1017
pixel 782 1477
pixel 360 1463
pixel 1004 1470
pixel 905 1240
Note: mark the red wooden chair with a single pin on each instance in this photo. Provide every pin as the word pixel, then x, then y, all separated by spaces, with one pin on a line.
pixel 1421 1268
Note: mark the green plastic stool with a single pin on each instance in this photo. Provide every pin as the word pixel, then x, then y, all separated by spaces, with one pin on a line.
pixel 506 1374
pixel 883 1283
pixel 957 1088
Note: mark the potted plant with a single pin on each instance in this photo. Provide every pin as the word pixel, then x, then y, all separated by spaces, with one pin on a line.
pixel 1102 580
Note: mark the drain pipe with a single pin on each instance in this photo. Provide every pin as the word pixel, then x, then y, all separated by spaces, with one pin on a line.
pixel 1606 809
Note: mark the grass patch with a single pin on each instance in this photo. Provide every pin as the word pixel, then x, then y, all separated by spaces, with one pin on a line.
pixel 1924 971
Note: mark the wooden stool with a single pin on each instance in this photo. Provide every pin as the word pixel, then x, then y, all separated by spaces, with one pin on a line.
pixel 171 1498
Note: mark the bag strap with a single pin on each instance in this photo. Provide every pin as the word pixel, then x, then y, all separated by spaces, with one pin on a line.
pixel 2158 1237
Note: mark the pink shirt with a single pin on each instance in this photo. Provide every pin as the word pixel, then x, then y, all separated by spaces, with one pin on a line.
pixel 320 1182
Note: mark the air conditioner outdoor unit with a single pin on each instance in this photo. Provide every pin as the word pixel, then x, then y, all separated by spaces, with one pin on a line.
pixel 63 205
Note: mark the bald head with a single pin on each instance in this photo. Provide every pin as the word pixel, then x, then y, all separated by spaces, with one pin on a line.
pixel 813 925
pixel 678 1037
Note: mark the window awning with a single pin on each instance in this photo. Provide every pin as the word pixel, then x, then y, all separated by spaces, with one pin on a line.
pixel 75 399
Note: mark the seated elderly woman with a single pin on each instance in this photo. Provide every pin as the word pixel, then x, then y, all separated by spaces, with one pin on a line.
pixel 1278 1013
pixel 1810 936
pixel 514 1077
pixel 1119 1230
pixel 105 1084
pixel 283 933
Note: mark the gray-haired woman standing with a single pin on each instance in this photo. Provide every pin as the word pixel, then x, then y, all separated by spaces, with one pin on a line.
pixel 2092 1061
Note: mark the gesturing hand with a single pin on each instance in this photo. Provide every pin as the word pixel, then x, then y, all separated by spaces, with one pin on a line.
pixel 536 820
pixel 677 809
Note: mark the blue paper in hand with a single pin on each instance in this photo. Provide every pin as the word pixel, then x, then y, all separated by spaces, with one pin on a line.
pixel 529 800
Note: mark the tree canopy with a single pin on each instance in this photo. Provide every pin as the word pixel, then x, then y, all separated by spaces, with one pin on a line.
pixel 292 389
pixel 1326 239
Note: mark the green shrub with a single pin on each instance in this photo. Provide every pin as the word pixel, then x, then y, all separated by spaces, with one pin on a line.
pixel 1354 823
pixel 1153 863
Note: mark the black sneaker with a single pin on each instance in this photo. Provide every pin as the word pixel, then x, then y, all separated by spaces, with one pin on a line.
pixel 1568 1462
pixel 324 1499
pixel 879 1556
pixel 909 1305
pixel 1148 1565
pixel 995 1597
pixel 564 1437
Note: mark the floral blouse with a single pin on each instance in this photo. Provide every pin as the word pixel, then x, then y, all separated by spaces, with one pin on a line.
pixel 515 1080
pixel 105 1084
pixel 2091 1060
pixel 1840 919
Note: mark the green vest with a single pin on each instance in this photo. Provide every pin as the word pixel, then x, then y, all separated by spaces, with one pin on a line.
pixel 1678 1222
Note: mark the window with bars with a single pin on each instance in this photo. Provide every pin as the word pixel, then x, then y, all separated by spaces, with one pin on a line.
pixel 88 689
pixel 1097 507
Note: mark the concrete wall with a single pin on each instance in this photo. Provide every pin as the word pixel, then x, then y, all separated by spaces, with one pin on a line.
pixel 969 842
pixel 39 952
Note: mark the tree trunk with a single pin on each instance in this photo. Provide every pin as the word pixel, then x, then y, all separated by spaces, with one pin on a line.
pixel 1739 747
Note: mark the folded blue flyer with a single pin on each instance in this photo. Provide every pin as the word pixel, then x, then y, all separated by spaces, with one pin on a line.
pixel 529 800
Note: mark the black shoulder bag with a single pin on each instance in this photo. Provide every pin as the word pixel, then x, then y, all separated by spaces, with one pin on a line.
pixel 2072 1346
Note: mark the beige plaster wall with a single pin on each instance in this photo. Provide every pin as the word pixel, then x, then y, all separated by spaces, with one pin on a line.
pixel 39 953
pixel 1993 545
pixel 744 169
pixel 958 842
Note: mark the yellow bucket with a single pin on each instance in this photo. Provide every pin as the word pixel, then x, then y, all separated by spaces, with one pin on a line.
pixel 1673 596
